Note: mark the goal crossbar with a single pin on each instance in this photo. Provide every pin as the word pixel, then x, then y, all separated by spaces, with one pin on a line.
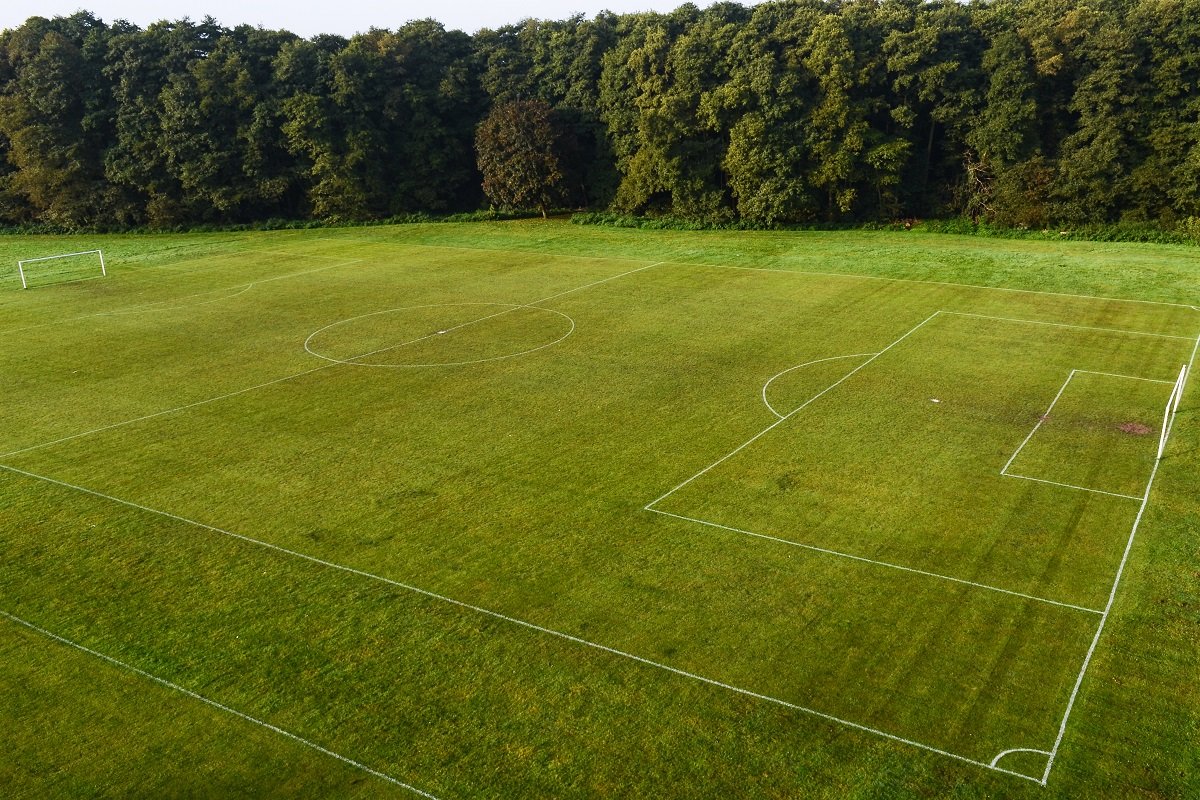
pixel 1172 407
pixel 21 264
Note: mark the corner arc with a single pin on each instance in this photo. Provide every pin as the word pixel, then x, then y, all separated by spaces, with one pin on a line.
pixel 994 764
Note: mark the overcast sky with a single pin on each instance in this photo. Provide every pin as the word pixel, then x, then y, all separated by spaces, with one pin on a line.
pixel 347 17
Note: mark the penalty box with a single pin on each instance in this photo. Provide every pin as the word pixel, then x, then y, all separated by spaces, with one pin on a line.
pixel 907 467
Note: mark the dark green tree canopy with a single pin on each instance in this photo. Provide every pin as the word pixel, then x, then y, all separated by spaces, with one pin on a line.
pixel 1021 112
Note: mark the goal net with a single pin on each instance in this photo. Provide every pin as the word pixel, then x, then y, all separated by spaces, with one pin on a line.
pixel 62 268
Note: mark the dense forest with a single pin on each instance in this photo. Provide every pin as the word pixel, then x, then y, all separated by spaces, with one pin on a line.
pixel 1017 112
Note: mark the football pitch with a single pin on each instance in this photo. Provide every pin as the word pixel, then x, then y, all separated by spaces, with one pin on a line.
pixel 528 509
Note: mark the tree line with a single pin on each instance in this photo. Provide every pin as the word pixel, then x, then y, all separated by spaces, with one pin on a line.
pixel 1017 112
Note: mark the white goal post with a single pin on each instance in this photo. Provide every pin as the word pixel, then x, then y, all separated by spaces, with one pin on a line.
pixel 1172 407
pixel 21 264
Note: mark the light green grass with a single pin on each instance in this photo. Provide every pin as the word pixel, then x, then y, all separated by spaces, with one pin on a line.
pixel 188 490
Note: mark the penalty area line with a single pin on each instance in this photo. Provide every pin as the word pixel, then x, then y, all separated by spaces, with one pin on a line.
pixel 159 305
pixel 1041 419
pixel 217 705
pixel 887 564
pixel 1112 598
pixel 518 622
pixel 650 506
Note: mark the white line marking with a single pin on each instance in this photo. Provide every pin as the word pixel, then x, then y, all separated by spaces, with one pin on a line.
pixel 935 283
pixel 513 620
pixel 792 413
pixel 596 283
pixel 164 412
pixel 221 706
pixel 1116 375
pixel 509 308
pixel 1112 596
pixel 276 380
pixel 146 307
pixel 512 307
pixel 886 564
pixel 847 275
pixel 1004 470
pixel 1065 325
pixel 158 307
pixel 801 366
pixel 1019 750
pixel 1072 486
pixel 1041 419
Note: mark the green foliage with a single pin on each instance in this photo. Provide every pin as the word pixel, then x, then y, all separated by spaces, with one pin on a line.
pixel 515 148
pixel 1017 113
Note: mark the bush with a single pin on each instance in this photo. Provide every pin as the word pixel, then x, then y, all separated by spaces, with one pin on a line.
pixel 1190 229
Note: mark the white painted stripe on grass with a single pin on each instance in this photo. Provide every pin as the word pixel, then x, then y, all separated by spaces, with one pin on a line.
pixel 781 373
pixel 596 283
pixel 1127 377
pixel 151 307
pixel 164 412
pixel 848 275
pixel 1072 486
pixel 936 283
pixel 792 413
pixel 1065 325
pixel 220 706
pixel 293 376
pixel 1003 753
pixel 1112 597
pixel 516 621
pixel 1041 419
pixel 353 360
pixel 886 564
pixel 148 307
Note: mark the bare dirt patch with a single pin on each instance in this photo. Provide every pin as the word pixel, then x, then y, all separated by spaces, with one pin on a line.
pixel 1134 428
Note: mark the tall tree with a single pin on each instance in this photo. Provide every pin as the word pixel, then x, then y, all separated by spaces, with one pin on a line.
pixel 1004 139
pixel 515 146
pixel 56 117
pixel 141 65
pixel 768 98
pixel 1096 157
pixel 836 129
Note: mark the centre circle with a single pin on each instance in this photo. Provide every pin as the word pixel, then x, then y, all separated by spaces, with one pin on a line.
pixel 439 335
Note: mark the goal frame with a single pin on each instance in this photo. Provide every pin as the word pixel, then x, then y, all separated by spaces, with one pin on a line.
pixel 21 264
pixel 1172 408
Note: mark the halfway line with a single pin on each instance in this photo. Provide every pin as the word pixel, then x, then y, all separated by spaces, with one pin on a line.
pixel 145 417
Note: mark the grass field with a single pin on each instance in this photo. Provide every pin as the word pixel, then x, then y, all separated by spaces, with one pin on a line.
pixel 534 510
